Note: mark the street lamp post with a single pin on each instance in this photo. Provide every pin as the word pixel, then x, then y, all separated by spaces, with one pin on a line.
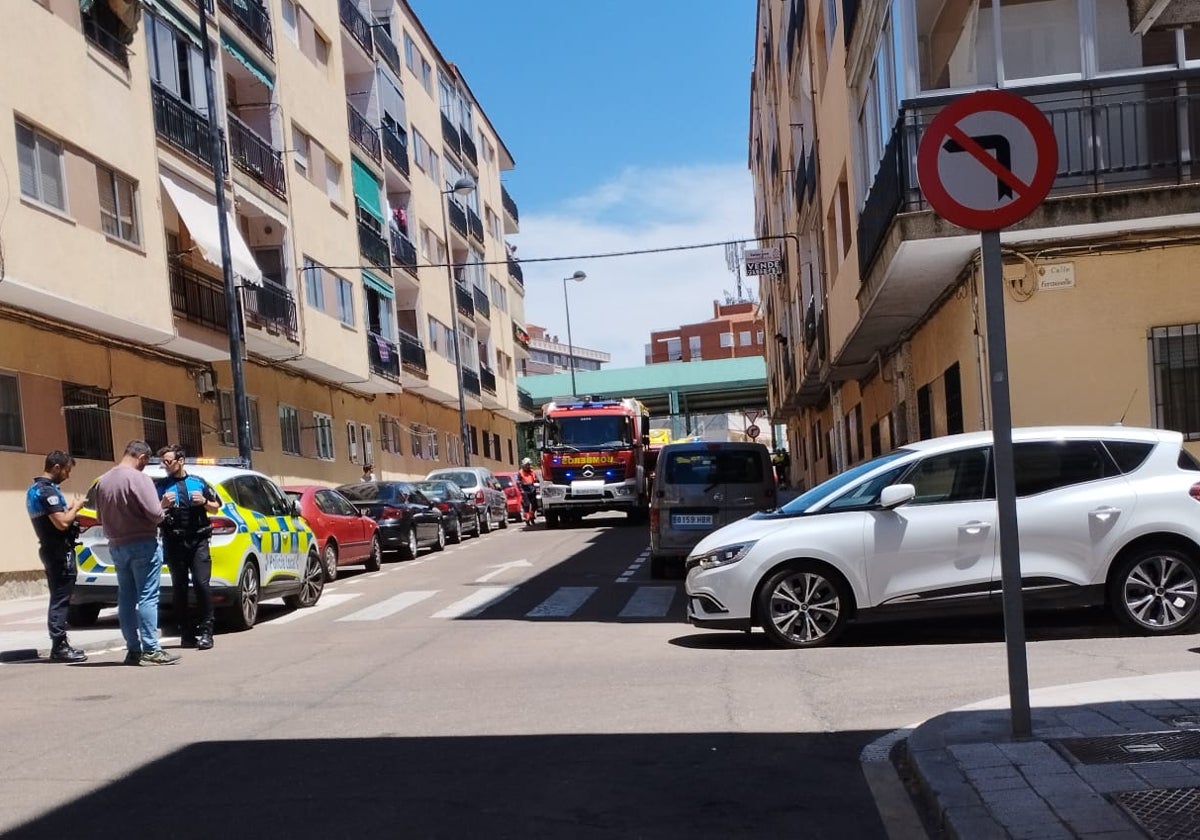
pixel 578 277
pixel 463 186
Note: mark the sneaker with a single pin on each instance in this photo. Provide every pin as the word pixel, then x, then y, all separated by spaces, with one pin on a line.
pixel 63 652
pixel 158 657
pixel 133 657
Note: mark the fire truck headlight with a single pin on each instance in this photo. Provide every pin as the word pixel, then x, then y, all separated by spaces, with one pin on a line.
pixel 551 491
pixel 621 491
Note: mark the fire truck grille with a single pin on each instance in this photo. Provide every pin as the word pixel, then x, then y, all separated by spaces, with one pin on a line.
pixel 558 475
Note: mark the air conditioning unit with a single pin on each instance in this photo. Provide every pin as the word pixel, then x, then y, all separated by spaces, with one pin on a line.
pixel 206 385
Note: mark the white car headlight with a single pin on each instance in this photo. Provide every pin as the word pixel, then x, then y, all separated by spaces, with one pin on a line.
pixel 723 556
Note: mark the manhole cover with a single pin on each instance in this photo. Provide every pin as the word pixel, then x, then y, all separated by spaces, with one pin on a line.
pixel 1166 814
pixel 1131 749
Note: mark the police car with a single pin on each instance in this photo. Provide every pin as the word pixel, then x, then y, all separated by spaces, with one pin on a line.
pixel 261 548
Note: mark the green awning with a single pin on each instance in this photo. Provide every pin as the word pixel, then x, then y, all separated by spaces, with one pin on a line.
pixel 165 11
pixel 249 63
pixel 366 189
pixel 378 285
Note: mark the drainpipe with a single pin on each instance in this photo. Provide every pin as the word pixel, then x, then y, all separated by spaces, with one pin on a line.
pixel 981 376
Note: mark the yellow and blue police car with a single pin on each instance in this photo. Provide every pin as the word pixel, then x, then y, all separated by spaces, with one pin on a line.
pixel 260 545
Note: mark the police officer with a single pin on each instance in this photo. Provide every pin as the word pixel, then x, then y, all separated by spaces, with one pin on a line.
pixel 187 501
pixel 54 523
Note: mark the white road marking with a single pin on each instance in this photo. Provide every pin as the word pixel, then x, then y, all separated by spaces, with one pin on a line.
pixel 391 606
pixel 564 602
pixel 504 567
pixel 328 600
pixel 633 567
pixel 475 603
pixel 649 602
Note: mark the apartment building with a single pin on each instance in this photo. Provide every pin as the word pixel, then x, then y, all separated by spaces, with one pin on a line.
pixel 344 131
pixel 734 331
pixel 547 354
pixel 877 324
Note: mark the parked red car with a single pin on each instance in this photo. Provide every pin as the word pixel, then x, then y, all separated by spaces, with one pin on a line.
pixel 346 536
pixel 512 494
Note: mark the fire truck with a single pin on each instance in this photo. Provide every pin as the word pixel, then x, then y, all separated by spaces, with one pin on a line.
pixel 596 456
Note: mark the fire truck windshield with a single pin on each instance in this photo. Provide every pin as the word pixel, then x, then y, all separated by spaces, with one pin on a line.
pixel 597 432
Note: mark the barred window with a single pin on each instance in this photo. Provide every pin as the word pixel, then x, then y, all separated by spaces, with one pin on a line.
pixel 433 443
pixel 418 449
pixel 89 424
pixel 154 423
pixel 228 426
pixel 289 429
pixel 187 419
pixel 324 431
pixel 1175 353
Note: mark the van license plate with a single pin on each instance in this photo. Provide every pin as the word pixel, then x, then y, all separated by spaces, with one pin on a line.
pixel 691 520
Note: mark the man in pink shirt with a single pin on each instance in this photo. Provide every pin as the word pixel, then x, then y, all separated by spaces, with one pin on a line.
pixel 130 511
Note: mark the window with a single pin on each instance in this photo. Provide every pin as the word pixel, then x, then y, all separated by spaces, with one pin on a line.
pixel 40 167
pixel 324 430
pixel 118 214
pixel 489 151
pixel 954 408
pixel 1119 49
pixel 1175 356
pixel 951 477
pixel 289 21
pixel 352 440
pixel 674 350
pixel 300 150
pixel 426 76
pixel 744 338
pixel 154 423
pixel 694 348
pixel 435 167
pixel 856 428
pixel 389 434
pixel 410 53
pixel 416 439
pixel 89 425
pixel 1041 466
pixel 924 413
pixel 176 64
pixel 499 295
pixel 496 446
pixel 333 179
pixel 955 44
pixel 493 223
pixel 228 426
pixel 320 48
pixel 876 441
pixel 345 301
pixel 421 150
pixel 368 443
pixel 511 459
pixel 474 441
pixel 487 445
pixel 289 430
pixel 314 285
pixel 726 339
pixel 12 430
pixel 758 338
pixel 187 419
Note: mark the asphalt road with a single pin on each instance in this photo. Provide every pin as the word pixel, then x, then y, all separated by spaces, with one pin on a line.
pixel 525 684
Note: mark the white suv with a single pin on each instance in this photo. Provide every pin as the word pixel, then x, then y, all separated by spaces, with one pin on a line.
pixel 1104 514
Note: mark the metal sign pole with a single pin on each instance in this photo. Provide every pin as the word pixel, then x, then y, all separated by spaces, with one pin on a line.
pixel 1006 495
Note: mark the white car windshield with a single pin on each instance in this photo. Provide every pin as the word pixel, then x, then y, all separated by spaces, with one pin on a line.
pixel 810 499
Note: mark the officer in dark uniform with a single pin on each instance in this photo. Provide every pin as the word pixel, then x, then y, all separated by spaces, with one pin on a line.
pixel 54 523
pixel 187 501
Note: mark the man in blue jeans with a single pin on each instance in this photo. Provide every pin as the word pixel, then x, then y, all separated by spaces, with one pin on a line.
pixel 130 511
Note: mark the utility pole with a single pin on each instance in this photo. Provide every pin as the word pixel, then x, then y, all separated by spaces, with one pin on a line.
pixel 233 313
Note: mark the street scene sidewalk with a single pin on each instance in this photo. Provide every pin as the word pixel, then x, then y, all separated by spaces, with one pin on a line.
pixel 1116 758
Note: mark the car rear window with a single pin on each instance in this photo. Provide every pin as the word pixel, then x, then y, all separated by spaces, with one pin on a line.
pixel 505 480
pixel 1129 454
pixel 1187 461
pixel 729 466
pixel 368 492
pixel 462 479
pixel 436 490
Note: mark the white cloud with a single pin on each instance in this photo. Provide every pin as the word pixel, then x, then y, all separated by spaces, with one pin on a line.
pixel 624 298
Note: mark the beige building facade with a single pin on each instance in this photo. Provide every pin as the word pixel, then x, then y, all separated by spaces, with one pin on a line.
pixel 876 331
pixel 344 132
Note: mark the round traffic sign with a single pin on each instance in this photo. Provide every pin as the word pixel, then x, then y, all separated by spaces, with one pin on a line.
pixel 752 432
pixel 987 160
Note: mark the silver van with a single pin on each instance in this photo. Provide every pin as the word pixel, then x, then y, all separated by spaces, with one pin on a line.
pixel 700 487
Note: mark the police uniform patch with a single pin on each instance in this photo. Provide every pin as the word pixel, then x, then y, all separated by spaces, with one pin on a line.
pixel 52 500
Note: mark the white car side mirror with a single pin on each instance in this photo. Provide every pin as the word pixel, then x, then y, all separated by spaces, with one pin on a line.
pixel 895 495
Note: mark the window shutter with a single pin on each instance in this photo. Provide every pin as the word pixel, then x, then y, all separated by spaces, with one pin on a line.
pixel 50 166
pixel 27 161
pixel 108 201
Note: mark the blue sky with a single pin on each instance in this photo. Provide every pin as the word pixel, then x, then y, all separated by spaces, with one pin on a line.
pixel 628 122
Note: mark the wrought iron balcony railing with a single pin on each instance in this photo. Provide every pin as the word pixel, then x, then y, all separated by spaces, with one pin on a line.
pixel 180 125
pixel 385 360
pixel 395 149
pixel 371 243
pixel 468 147
pixel 450 135
pixel 458 217
pixel 271 306
pixel 524 400
pixel 475 224
pixel 356 24
pixel 482 305
pixel 464 301
pixel 387 49
pixel 487 380
pixel 197 297
pixel 252 18
pixel 509 205
pixel 404 252
pixel 255 156
pixel 363 133
pixel 470 380
pixel 412 353
pixel 515 273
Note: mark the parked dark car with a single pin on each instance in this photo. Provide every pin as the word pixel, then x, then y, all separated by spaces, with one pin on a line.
pixel 458 512
pixel 482 489
pixel 407 519
pixel 346 535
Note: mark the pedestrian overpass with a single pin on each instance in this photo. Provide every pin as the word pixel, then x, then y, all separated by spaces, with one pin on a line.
pixel 675 390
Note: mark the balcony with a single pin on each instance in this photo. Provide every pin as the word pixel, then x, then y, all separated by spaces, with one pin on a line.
pixel 371 243
pixel 271 307
pixel 395 149
pixel 464 301
pixel 356 24
pixel 197 298
pixel 252 18
pixel 255 156
pixel 412 354
pixel 509 205
pixel 404 252
pixel 450 135
pixel 487 380
pixel 387 49
pixel 181 125
pixel 468 148
pixel 482 306
pixel 102 38
pixel 362 132
pixel 514 272
pixel 475 225
pixel 470 382
pixel 525 401
pixel 458 217
pixel 385 361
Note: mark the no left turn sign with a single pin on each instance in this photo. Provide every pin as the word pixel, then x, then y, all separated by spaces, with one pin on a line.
pixel 987 160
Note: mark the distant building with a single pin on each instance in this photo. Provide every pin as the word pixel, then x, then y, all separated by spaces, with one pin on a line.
pixel 549 355
pixel 734 331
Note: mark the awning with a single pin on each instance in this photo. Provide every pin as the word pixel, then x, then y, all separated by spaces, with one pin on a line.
pixel 178 21
pixel 378 285
pixel 249 63
pixel 366 189
pixel 199 214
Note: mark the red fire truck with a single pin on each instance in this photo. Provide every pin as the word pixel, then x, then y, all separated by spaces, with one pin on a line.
pixel 596 455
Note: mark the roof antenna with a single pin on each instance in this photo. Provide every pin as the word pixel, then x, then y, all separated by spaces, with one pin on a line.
pixel 1121 422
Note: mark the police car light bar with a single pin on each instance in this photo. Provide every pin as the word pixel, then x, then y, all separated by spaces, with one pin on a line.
pixel 207 462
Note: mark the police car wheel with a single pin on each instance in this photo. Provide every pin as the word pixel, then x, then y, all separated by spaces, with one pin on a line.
pixel 245 613
pixel 375 558
pixel 311 585
pixel 331 561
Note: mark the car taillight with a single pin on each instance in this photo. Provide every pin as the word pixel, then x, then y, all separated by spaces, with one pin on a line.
pixel 479 497
pixel 222 526
pixel 1194 492
pixel 390 512
pixel 444 507
pixel 84 522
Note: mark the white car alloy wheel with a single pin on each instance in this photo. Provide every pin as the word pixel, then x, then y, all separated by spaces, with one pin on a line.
pixel 1158 591
pixel 802 607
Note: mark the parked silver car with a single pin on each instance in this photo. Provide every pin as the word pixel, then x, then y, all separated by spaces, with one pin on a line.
pixel 484 491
